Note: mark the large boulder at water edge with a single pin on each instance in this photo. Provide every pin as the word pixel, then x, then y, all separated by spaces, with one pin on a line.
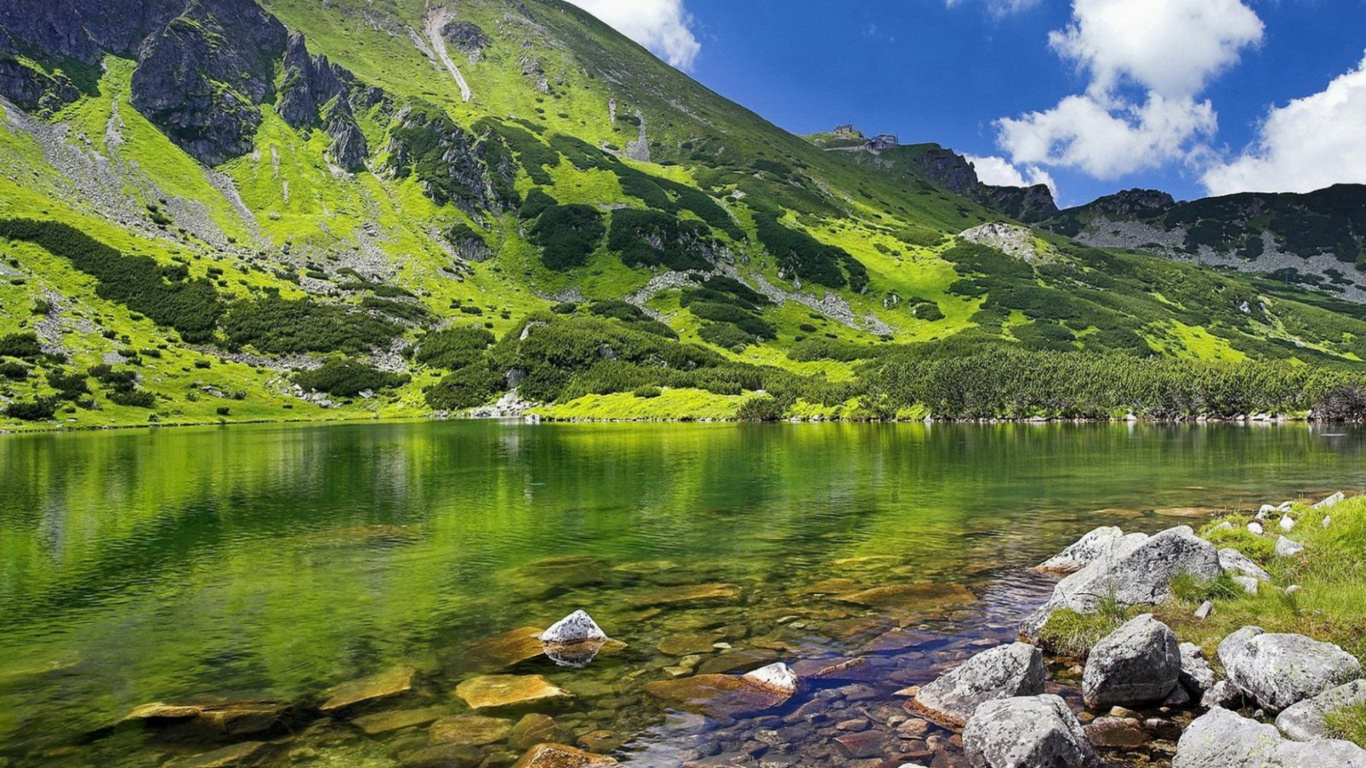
pixel 1138 571
pixel 1308 720
pixel 1282 670
pixel 1004 672
pixel 1137 664
pixel 1084 551
pixel 1027 732
pixel 1224 739
pixel 1196 675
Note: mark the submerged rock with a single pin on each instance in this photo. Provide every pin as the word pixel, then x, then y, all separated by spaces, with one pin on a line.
pixel 561 756
pixel 384 722
pixel 718 695
pixel 698 593
pixel 246 753
pixel 1027 732
pixel 496 692
pixel 1307 720
pixel 910 598
pixel 1280 670
pixel 240 718
pixel 1224 739
pixel 1139 663
pixel 503 650
pixel 473 730
pixel 534 729
pixel 373 688
pixel 1008 671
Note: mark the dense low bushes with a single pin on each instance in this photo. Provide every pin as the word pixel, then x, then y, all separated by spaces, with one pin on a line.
pixel 279 326
pixel 341 377
pixel 454 348
pixel 568 235
pixel 165 294
pixel 803 256
pixel 24 346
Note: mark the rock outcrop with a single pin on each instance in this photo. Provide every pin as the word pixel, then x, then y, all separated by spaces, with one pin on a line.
pixel 1278 671
pixel 1139 571
pixel 1005 672
pixel 1083 552
pixel 1139 663
pixel 315 92
pixel 1027 732
pixel 1224 739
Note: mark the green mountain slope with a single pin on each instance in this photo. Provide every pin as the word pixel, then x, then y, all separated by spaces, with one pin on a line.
pixel 214 210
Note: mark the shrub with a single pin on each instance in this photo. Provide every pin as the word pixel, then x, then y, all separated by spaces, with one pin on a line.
pixel 13 371
pixel 805 257
pixel 69 386
pixel 192 307
pixel 340 377
pixel 564 308
pixel 223 410
pixel 647 392
pixel 413 313
pixel 568 235
pixel 469 387
pixel 725 335
pixel 278 326
pixel 42 409
pixel 454 348
pixel 749 322
pixel 762 408
pixel 651 238
pixel 618 310
pixel 21 345
pixel 133 398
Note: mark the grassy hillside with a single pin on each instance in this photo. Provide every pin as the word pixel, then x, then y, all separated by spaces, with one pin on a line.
pixel 589 227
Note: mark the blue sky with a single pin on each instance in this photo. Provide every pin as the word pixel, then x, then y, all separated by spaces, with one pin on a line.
pixel 1196 97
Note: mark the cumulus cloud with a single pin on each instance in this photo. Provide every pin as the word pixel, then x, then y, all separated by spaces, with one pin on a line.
pixel 1308 144
pixel 663 26
pixel 1147 62
pixel 999 172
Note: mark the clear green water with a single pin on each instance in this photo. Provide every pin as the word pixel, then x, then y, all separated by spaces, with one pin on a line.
pixel 274 562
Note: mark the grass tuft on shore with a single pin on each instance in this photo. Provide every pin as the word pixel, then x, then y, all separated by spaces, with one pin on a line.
pixel 1331 605
pixel 1348 723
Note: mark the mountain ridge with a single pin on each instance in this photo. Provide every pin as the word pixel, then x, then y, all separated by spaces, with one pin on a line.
pixel 388 179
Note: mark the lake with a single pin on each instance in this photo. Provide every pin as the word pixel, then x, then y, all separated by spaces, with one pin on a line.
pixel 211 567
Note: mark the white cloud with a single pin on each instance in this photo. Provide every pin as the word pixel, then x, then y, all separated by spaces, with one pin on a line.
pixel 1171 47
pixel 1107 140
pixel 1308 144
pixel 999 172
pixel 1167 50
pixel 663 26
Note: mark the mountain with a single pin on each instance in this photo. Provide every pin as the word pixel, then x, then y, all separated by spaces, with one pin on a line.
pixel 224 210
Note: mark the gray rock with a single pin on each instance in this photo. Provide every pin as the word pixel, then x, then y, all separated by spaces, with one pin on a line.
pixel 1287 523
pixel 1138 663
pixel 1027 732
pixel 1224 739
pixel 1331 501
pixel 1084 551
pixel 1256 528
pixel 1281 670
pixel 1235 563
pixel 1010 670
pixel 1306 721
pixel 1196 674
pixel 1223 694
pixel 1248 584
pixel 1287 548
pixel 1137 572
pixel 1204 611
pixel 577 627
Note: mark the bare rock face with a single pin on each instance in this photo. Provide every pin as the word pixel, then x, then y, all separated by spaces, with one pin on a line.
pixel 1027 733
pixel 201 76
pixel 1008 671
pixel 1224 739
pixel 310 83
pixel 467 37
pixel 1137 664
pixel 1280 670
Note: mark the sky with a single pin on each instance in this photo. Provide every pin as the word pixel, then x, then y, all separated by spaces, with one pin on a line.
pixel 1195 97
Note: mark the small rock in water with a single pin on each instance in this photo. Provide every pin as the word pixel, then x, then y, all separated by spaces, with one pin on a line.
pixel 1204 611
pixel 1256 528
pixel 1288 548
pixel 577 627
pixel 471 730
pixel 776 677
pixel 381 686
pixel 1117 733
pixel 561 756
pixel 1138 663
pixel 509 691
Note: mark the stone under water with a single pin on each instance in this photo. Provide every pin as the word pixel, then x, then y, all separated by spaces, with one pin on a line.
pixel 494 692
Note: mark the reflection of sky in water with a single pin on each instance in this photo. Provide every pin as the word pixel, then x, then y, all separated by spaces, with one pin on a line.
pixel 275 561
